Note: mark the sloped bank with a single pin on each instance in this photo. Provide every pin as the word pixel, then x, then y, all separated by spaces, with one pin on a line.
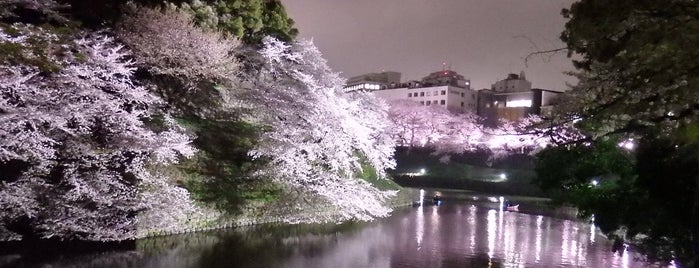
pixel 11 251
pixel 213 220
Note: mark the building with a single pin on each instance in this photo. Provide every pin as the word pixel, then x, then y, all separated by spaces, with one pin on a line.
pixel 513 98
pixel 513 83
pixel 373 81
pixel 445 88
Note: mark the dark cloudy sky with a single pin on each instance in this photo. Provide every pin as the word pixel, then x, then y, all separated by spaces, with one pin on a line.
pixel 481 39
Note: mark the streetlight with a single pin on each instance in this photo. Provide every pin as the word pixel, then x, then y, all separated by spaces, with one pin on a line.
pixel 628 144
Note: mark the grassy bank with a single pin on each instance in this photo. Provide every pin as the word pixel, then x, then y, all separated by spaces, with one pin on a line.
pixel 469 171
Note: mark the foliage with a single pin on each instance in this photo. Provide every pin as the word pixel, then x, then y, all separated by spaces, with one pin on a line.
pixel 193 69
pixel 221 172
pixel 417 125
pixel 76 145
pixel 87 152
pixel 567 166
pixel 249 20
pixel 316 131
pixel 196 71
pixel 32 11
pixel 630 202
pixel 168 43
pixel 637 82
pixel 636 72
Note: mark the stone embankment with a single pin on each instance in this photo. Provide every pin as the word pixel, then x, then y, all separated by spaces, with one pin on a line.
pixel 214 220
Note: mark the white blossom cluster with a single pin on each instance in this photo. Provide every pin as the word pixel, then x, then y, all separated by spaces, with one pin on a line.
pixel 319 136
pixel 78 136
pixel 447 132
pixel 169 43
pixel 418 125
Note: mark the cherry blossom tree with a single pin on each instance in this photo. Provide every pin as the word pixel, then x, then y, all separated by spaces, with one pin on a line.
pixel 447 132
pixel 409 120
pixel 318 136
pixel 193 68
pixel 418 125
pixel 75 150
pixel 516 136
pixel 168 43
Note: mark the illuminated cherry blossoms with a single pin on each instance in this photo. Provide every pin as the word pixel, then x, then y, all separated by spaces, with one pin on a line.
pixel 72 131
pixel 447 132
pixel 319 136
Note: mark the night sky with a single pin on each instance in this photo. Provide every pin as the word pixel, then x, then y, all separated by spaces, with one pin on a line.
pixel 483 40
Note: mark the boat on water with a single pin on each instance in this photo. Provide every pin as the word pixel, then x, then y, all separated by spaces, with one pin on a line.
pixel 437 200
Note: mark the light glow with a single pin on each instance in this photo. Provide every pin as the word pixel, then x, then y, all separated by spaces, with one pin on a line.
pixel 519 103
pixel 628 144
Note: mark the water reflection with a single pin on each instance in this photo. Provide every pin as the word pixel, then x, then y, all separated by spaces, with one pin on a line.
pixel 537 251
pixel 420 230
pixel 455 234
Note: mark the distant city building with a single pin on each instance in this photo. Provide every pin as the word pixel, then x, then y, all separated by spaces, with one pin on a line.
pixel 446 77
pixel 513 83
pixel 445 88
pixel 373 81
pixel 509 99
pixel 513 98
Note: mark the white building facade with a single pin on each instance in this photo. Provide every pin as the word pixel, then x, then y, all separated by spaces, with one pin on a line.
pixel 455 99
pixel 445 88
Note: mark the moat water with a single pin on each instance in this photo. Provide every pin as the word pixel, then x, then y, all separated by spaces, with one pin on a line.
pixel 466 230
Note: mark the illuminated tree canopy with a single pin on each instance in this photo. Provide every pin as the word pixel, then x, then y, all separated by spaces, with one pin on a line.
pixel 75 149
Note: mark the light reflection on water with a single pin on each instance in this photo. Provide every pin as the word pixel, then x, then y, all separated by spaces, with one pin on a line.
pixel 455 234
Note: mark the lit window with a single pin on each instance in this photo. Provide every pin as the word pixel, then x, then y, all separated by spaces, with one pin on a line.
pixel 435 93
pixel 422 103
pixel 410 95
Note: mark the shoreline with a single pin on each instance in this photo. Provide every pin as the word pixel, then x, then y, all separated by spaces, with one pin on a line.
pixel 55 246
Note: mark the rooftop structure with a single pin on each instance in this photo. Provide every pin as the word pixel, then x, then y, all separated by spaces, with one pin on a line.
pixel 373 81
pixel 512 83
pixel 446 78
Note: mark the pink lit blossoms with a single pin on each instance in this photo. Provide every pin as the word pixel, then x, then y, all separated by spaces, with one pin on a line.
pixel 318 136
pixel 72 127
pixel 447 132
